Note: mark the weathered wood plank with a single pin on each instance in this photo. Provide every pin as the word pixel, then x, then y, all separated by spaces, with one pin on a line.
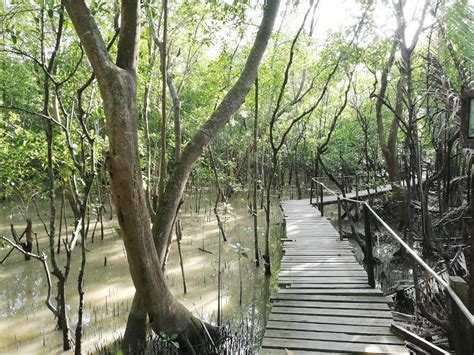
pixel 329 298
pixel 336 259
pixel 310 273
pixel 333 305
pixel 333 312
pixel 266 351
pixel 339 291
pixel 325 280
pixel 353 348
pixel 319 286
pixel 329 264
pixel 330 319
pixel 317 253
pixel 336 267
pixel 329 328
pixel 341 337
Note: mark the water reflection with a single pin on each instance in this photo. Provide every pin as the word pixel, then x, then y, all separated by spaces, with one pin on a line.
pixel 27 326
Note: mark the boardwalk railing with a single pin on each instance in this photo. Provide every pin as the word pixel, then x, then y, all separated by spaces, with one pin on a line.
pixel 368 212
pixel 360 190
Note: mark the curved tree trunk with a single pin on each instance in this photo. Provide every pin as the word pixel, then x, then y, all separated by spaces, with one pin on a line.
pixel 118 84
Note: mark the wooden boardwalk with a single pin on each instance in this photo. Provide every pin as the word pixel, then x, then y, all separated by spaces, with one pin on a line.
pixel 324 304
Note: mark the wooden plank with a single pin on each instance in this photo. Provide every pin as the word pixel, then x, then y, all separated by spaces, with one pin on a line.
pixel 334 267
pixel 333 305
pixel 325 280
pixel 317 253
pixel 310 246
pixel 333 312
pixel 304 318
pixel 353 348
pixel 418 341
pixel 329 298
pixel 329 328
pixel 267 351
pixel 339 291
pixel 328 264
pixel 310 273
pixel 321 259
pixel 340 337
pixel 321 286
pixel 325 268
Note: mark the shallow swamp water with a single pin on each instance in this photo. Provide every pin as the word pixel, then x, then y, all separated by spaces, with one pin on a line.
pixel 27 326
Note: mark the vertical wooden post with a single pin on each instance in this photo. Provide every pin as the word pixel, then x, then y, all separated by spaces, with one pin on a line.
pixel 311 193
pixel 368 247
pixel 469 177
pixel 321 208
pixel 470 227
pixel 357 197
pixel 462 330
pixel 316 194
pixel 339 221
pixel 357 186
pixel 341 177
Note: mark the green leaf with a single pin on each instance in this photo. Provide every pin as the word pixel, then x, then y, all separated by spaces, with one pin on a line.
pixel 175 344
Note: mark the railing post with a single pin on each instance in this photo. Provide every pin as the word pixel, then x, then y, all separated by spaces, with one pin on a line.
pixel 357 197
pixel 339 221
pixel 316 194
pixel 321 208
pixel 368 247
pixel 462 330
pixel 357 186
pixel 311 192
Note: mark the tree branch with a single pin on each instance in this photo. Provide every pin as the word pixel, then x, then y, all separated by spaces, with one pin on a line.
pixel 129 35
pixel 89 34
pixel 44 260
pixel 229 105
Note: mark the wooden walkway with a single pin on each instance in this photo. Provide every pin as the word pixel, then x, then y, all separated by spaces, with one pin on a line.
pixel 324 304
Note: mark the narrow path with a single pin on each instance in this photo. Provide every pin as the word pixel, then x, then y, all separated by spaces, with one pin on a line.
pixel 324 303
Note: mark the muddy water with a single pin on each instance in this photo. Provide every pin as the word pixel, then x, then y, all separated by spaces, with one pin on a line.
pixel 27 326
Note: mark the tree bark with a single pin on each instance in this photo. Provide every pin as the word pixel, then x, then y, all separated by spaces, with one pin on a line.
pixel 118 83
pixel 388 143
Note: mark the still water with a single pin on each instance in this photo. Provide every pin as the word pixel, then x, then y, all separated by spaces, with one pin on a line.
pixel 27 326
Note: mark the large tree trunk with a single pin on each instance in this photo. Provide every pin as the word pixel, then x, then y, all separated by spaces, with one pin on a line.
pixel 165 312
pixel 118 85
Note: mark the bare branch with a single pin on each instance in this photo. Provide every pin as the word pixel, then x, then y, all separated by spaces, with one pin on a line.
pixel 44 260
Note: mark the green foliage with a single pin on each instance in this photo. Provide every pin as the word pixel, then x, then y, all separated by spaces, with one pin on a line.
pixel 241 252
pixel 22 158
pixel 170 339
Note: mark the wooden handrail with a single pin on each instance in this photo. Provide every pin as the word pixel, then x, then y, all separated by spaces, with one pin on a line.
pixel 461 306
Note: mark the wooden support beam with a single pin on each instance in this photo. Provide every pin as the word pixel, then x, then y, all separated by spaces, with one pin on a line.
pixel 462 330
pixel 418 341
pixel 368 247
